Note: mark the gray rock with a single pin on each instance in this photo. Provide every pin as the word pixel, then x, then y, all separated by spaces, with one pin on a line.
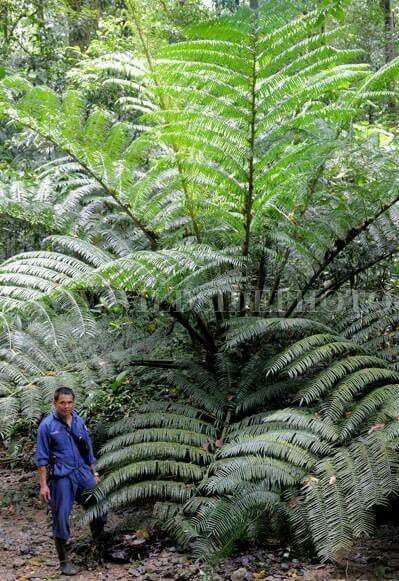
pixel 51 563
pixel 240 574
pixel 285 566
pixel 150 568
pixel 19 562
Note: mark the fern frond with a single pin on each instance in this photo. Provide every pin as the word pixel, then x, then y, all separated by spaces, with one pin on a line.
pixel 325 381
pixel 353 385
pixel 339 499
pixel 252 328
pixel 368 405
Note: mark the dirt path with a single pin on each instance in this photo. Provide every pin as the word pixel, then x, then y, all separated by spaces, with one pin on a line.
pixel 26 551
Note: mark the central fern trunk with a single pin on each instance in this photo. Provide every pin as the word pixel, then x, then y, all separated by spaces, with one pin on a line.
pixel 248 202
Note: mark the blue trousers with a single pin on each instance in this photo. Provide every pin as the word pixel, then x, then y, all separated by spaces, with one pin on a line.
pixel 64 492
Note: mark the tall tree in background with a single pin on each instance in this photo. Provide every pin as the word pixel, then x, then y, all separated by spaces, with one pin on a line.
pixel 389 41
pixel 389 30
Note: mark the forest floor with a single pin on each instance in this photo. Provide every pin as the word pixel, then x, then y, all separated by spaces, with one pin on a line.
pixel 27 552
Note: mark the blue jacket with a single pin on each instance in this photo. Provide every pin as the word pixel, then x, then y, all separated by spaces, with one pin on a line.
pixel 56 445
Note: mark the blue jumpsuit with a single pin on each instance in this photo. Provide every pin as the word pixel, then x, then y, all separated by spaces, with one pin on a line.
pixel 71 472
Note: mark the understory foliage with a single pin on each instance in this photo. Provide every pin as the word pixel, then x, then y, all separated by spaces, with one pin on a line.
pixel 235 203
pixel 40 355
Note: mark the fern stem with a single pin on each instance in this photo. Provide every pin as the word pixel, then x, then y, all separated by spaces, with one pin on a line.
pixel 151 236
pixel 226 424
pixel 205 330
pixel 260 284
pixel 278 277
pixel 218 314
pixel 166 9
pixel 339 246
pixel 160 363
pixel 247 211
pixel 196 337
pixel 132 7
pixel 311 191
pixel 163 106
pixel 334 286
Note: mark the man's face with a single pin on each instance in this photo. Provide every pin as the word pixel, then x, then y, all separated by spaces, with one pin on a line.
pixel 64 405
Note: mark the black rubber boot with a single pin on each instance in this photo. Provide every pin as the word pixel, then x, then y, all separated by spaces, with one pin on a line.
pixel 67 568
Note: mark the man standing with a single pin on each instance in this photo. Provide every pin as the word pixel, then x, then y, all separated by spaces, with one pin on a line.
pixel 64 446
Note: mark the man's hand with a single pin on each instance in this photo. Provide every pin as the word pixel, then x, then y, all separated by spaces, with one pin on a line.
pixel 95 474
pixel 45 494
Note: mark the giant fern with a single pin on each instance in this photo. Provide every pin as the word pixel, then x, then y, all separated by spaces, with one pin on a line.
pixel 251 451
pixel 221 187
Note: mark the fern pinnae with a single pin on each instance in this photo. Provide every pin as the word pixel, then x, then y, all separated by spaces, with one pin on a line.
pixel 279 448
pixel 159 469
pixel 152 434
pixel 369 405
pixel 267 394
pixel 316 356
pixel 325 380
pixel 228 474
pixel 354 384
pixel 162 420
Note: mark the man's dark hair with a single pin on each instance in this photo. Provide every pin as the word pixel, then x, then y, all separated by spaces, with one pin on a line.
pixel 63 391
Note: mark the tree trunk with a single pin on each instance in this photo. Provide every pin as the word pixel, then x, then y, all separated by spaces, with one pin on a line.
pixel 82 31
pixel 4 23
pixel 389 41
pixel 389 27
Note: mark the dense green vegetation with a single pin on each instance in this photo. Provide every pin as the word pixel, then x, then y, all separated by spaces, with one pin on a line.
pixel 204 207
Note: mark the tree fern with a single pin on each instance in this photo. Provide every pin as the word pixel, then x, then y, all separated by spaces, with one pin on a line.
pixel 246 459
pixel 224 184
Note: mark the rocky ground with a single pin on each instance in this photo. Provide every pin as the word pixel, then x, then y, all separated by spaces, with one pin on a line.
pixel 26 550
